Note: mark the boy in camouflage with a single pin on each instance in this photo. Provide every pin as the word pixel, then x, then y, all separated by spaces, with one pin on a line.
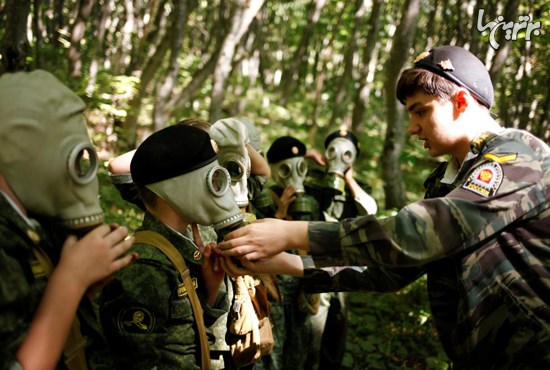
pixel 47 197
pixel 146 315
pixel 481 235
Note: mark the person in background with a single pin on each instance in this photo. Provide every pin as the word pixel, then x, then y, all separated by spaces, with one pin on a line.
pixel 287 200
pixel 330 179
pixel 55 252
pixel 481 234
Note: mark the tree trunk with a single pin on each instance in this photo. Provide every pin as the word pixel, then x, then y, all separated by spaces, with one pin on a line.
pixel 101 33
pixel 128 135
pixel 291 75
pixel 124 47
pixel 395 132
pixel 510 12
pixel 77 35
pixel 15 45
pixel 164 90
pixel 340 100
pixel 363 90
pixel 244 14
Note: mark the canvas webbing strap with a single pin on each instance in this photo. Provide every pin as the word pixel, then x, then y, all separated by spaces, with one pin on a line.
pixel 160 242
pixel 74 352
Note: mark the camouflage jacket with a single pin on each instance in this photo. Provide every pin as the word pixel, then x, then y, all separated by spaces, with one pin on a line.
pixel 22 283
pixel 484 246
pixel 147 324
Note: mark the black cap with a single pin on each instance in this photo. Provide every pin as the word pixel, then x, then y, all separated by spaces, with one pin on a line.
pixel 285 147
pixel 461 67
pixel 171 152
pixel 344 134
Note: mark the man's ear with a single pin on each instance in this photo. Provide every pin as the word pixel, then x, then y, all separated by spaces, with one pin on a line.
pixel 461 100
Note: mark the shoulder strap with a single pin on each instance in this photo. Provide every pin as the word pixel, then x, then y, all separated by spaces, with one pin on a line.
pixel 160 242
pixel 74 351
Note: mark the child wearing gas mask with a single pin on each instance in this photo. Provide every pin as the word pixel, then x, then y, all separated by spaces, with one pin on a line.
pixel 331 181
pixel 146 315
pixel 237 143
pixel 286 199
pixel 48 195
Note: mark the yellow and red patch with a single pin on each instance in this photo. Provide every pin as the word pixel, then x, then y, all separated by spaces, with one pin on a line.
pixel 485 179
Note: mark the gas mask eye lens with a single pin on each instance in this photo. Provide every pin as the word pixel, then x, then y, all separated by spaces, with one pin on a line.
pixel 82 163
pixel 302 167
pixel 330 152
pixel 235 170
pixel 218 181
pixel 284 170
pixel 347 157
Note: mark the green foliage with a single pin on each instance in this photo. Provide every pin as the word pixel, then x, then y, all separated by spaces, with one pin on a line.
pixel 116 209
pixel 393 331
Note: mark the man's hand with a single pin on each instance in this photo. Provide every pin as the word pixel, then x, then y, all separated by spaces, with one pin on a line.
pixel 265 238
pixel 280 264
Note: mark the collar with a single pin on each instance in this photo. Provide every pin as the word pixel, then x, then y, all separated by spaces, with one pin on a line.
pixel 183 244
pixel 27 225
pixel 451 172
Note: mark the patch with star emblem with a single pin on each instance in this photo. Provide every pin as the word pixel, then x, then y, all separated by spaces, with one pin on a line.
pixel 137 320
pixel 485 179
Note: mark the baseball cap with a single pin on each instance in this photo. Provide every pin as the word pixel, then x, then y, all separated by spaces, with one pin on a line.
pixel 458 65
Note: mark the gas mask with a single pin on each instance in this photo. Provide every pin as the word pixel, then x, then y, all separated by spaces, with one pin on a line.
pixel 291 171
pixel 340 154
pixel 45 152
pixel 231 137
pixel 201 196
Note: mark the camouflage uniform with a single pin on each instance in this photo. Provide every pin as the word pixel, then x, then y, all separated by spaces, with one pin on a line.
pixel 146 324
pixel 483 242
pixel 291 327
pixel 22 284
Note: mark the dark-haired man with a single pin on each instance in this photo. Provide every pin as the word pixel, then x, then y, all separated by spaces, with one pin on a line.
pixel 481 235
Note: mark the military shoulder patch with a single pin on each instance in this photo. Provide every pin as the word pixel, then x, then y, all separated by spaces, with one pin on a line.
pixel 485 179
pixel 135 320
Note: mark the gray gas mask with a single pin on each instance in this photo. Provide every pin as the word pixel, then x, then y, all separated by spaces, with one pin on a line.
pixel 231 137
pixel 45 152
pixel 291 171
pixel 340 155
pixel 201 196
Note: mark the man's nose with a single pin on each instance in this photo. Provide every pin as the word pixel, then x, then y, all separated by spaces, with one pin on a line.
pixel 413 128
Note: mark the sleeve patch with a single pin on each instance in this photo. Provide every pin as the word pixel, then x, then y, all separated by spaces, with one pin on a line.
pixel 485 179
pixel 135 320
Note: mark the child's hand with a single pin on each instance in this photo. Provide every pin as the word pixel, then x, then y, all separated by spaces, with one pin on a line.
pixel 287 197
pixel 97 255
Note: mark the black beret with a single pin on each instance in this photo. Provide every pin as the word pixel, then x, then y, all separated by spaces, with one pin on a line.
pixel 285 147
pixel 344 134
pixel 171 152
pixel 461 67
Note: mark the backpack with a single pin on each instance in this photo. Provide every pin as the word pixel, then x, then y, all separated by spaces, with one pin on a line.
pixel 250 333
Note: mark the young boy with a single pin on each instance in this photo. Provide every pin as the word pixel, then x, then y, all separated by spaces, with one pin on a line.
pixel 147 318
pixel 44 272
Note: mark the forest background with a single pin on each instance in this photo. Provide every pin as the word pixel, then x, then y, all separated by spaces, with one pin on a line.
pixel 303 68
